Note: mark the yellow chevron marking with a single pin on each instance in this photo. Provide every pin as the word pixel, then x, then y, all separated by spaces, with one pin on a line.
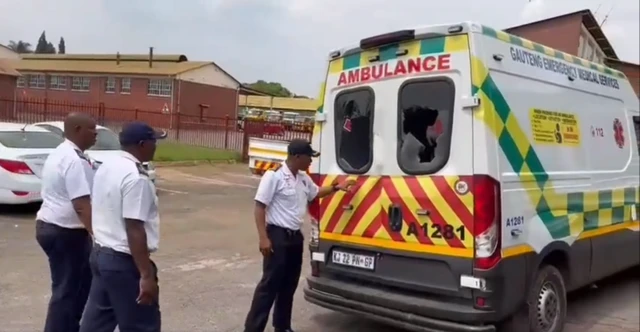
pixel 356 200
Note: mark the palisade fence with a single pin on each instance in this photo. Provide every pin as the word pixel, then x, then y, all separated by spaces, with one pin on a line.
pixel 225 133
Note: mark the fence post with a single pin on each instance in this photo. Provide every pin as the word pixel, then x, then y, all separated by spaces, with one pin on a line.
pixel 245 141
pixel 178 127
pixel 101 113
pixel 226 132
pixel 46 107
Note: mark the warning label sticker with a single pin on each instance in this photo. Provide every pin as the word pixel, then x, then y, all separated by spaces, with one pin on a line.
pixel 554 128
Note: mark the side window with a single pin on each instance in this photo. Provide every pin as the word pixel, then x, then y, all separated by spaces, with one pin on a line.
pixel 425 116
pixel 636 125
pixel 353 112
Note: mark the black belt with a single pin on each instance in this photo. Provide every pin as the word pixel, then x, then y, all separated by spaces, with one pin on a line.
pixel 111 251
pixel 289 231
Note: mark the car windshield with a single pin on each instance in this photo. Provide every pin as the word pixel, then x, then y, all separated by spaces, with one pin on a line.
pixel 106 140
pixel 30 139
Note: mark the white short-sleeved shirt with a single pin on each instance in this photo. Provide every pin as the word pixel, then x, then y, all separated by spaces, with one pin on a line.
pixel 122 190
pixel 286 196
pixel 66 175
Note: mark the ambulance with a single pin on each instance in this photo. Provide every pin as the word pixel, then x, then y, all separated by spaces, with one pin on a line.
pixel 493 175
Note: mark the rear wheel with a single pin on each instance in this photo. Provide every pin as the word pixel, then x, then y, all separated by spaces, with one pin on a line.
pixel 546 308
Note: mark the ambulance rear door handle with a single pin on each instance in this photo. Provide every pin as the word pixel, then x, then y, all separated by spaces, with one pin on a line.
pixel 422 212
pixel 347 207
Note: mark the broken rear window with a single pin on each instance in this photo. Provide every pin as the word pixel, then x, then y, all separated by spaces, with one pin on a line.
pixel 353 112
pixel 425 115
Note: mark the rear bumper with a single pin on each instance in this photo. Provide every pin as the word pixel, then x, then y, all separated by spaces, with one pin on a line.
pixel 394 309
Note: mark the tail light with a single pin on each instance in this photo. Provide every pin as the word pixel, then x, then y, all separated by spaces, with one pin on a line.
pixel 487 226
pixel 14 166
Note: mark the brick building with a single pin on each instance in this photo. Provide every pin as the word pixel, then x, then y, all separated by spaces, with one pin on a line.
pixel 168 84
pixel 578 33
pixel 8 80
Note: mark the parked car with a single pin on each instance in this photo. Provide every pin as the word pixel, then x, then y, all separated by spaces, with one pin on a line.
pixel 23 151
pixel 107 145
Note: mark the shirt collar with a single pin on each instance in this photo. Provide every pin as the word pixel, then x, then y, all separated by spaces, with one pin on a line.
pixel 73 145
pixel 129 156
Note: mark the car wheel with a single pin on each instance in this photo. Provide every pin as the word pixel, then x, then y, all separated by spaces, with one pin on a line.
pixel 546 307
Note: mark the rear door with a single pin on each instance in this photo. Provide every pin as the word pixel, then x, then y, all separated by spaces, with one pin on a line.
pixel 395 123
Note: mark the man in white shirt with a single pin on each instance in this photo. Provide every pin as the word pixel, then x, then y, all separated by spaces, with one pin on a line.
pixel 281 204
pixel 63 223
pixel 125 217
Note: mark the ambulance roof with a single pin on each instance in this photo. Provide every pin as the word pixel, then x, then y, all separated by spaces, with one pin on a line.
pixel 442 30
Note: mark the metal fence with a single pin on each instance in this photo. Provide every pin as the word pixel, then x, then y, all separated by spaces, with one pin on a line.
pixel 214 132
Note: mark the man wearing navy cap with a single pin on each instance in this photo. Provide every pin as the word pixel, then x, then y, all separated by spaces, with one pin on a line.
pixel 281 204
pixel 124 291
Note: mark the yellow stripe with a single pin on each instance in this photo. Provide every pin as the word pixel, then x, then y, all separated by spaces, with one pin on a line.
pixel 444 208
pixel 466 199
pixel 356 200
pixel 372 213
pixel 412 47
pixel 331 209
pixel 402 246
pixel 503 36
pixel 528 44
pixel 335 66
pixel 366 55
pixel 413 205
pixel 267 151
pixel 549 51
pixel 524 248
pixel 456 43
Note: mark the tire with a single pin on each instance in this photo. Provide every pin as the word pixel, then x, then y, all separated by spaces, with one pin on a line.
pixel 547 290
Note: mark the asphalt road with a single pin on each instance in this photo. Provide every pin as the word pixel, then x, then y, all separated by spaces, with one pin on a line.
pixel 209 265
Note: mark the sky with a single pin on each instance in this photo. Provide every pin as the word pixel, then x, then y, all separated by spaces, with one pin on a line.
pixel 286 41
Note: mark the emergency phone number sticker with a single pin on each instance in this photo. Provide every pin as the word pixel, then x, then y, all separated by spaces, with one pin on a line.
pixel 554 128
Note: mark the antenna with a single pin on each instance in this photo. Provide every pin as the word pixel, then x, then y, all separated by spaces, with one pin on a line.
pixel 607 16
pixel 597 9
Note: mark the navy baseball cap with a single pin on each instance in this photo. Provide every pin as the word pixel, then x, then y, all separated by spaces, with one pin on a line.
pixel 301 147
pixel 136 132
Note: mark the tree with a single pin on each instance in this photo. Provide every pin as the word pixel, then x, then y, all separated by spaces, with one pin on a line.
pixel 271 88
pixel 44 46
pixel 61 46
pixel 20 47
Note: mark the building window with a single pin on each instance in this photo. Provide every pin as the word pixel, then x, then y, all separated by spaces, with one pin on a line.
pixel 110 85
pixel 80 83
pixel 125 85
pixel 160 87
pixel 37 81
pixel 20 82
pixel 58 82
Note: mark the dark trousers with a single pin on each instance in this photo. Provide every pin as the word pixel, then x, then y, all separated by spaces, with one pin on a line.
pixel 68 252
pixel 280 275
pixel 112 301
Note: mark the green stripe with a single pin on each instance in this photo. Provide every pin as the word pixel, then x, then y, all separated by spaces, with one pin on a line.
pixel 388 52
pixel 351 61
pixel 490 32
pixel 432 45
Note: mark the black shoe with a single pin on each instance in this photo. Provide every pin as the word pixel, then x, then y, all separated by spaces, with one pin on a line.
pixel 283 330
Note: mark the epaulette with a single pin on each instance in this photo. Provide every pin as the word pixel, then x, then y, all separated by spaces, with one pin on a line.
pixel 277 168
pixel 141 169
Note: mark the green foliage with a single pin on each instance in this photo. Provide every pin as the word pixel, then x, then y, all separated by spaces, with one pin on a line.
pixel 20 47
pixel 270 88
pixel 172 151
pixel 43 46
pixel 62 48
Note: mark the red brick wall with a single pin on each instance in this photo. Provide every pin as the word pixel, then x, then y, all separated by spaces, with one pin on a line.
pixel 222 101
pixel 562 34
pixel 7 91
pixel 632 71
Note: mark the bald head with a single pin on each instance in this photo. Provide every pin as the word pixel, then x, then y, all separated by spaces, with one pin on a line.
pixel 80 128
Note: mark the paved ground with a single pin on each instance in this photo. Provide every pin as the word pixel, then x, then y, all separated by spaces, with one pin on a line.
pixel 209 265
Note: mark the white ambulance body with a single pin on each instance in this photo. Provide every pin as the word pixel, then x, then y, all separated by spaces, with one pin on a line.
pixel 491 172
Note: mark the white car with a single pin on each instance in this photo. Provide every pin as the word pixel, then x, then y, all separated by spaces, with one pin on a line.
pixel 23 151
pixel 107 145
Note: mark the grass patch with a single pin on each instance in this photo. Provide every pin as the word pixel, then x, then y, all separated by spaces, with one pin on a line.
pixel 171 151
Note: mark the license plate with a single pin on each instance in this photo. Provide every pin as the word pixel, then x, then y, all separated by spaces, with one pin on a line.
pixel 354 260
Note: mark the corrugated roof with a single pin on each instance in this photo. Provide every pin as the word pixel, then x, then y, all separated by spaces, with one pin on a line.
pixel 6 68
pixel 164 65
